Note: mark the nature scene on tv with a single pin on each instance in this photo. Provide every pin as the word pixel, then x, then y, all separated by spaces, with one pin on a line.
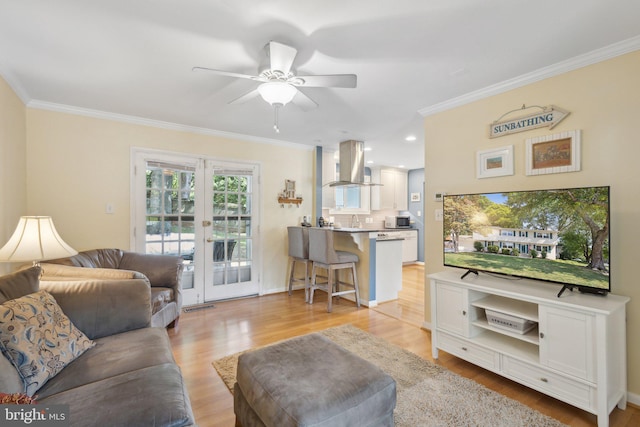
pixel 555 235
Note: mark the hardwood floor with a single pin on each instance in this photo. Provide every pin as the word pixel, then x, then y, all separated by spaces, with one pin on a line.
pixel 231 326
pixel 409 307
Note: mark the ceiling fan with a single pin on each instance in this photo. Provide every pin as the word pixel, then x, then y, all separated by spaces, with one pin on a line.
pixel 279 83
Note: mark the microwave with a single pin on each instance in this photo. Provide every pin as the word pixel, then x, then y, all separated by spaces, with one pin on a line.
pixel 397 221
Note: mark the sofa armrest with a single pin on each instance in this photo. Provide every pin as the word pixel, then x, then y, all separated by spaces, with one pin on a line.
pixel 103 307
pixel 161 270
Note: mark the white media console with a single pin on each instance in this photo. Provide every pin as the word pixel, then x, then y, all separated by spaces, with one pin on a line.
pixel 575 351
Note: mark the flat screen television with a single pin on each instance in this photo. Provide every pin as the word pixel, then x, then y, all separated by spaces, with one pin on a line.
pixel 558 235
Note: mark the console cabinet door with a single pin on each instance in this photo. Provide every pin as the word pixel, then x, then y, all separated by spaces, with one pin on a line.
pixel 567 341
pixel 452 313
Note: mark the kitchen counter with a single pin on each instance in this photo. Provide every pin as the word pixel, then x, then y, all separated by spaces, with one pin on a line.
pixel 354 230
pixel 374 272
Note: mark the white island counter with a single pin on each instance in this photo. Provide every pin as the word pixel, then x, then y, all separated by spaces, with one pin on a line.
pixel 379 268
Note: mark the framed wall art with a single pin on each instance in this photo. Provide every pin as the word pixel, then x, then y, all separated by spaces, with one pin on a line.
pixel 495 162
pixel 557 153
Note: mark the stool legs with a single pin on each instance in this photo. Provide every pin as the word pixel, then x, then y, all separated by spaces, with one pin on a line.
pixel 332 287
pixel 313 283
pixel 355 283
pixel 292 264
pixel 292 278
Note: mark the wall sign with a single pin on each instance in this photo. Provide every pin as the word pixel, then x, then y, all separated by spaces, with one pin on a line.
pixel 550 116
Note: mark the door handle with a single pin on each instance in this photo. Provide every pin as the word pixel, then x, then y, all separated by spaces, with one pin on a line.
pixel 210 240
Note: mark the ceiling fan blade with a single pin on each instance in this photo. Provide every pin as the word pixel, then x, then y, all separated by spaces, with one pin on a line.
pixel 303 101
pixel 281 56
pixel 244 98
pixel 227 73
pixel 333 80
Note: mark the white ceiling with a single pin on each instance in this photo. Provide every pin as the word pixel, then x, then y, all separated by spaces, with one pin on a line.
pixel 133 59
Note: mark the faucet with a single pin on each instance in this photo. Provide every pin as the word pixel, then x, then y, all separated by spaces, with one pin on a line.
pixel 355 222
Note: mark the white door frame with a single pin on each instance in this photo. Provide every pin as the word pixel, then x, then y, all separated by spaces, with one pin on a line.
pixel 202 275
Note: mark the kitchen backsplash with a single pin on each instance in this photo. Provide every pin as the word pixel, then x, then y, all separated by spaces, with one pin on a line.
pixel 374 220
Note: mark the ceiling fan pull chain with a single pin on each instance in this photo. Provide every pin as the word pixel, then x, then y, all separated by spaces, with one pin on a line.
pixel 276 107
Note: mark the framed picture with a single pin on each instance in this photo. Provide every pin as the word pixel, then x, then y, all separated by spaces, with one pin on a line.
pixel 290 189
pixel 557 153
pixel 415 197
pixel 495 162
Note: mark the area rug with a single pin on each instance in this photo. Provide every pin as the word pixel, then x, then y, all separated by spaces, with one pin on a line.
pixel 427 394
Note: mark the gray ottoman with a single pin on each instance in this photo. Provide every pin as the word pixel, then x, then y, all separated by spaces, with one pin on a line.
pixel 310 381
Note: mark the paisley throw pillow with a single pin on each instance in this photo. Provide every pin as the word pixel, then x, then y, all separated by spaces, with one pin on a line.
pixel 38 338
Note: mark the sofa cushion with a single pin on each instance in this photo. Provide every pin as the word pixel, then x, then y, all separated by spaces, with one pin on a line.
pixel 19 284
pixel 37 337
pixel 10 381
pixel 103 307
pixel 14 286
pixel 113 355
pixel 151 396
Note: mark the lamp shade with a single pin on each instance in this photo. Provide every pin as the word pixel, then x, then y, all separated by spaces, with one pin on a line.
pixel 35 239
pixel 277 92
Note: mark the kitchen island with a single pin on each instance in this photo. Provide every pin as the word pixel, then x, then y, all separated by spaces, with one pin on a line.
pixel 379 268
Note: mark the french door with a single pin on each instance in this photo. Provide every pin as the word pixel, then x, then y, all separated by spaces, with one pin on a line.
pixel 205 211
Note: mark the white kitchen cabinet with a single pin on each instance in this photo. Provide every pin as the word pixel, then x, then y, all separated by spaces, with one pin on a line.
pixel 576 351
pixel 410 246
pixel 393 193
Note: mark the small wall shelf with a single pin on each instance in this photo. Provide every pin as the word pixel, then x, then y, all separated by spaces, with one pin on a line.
pixel 285 200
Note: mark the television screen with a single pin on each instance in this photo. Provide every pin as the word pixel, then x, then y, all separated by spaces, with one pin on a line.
pixel 559 236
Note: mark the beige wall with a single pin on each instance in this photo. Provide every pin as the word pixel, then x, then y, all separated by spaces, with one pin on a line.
pixel 76 165
pixel 13 198
pixel 604 101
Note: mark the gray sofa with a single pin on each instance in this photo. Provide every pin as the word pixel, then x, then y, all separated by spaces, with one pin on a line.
pixel 162 272
pixel 129 378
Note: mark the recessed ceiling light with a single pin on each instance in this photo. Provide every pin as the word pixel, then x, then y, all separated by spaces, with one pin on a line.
pixel 367 148
pixel 369 162
pixel 410 138
pixel 401 166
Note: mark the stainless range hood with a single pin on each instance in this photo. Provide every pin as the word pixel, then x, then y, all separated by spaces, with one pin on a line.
pixel 351 165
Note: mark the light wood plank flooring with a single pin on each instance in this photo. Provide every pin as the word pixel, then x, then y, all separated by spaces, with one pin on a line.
pixel 232 326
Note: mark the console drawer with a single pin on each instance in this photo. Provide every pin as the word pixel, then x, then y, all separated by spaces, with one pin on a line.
pixel 468 351
pixel 574 392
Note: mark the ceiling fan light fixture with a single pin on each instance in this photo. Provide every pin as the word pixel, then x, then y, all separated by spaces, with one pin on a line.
pixel 277 92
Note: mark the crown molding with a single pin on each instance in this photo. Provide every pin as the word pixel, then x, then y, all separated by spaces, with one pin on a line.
pixel 142 121
pixel 14 83
pixel 593 57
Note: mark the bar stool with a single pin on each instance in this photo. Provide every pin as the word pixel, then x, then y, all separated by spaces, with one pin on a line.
pixel 323 255
pixel 299 253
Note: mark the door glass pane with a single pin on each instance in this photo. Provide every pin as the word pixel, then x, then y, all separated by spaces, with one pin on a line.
pixel 231 227
pixel 170 227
